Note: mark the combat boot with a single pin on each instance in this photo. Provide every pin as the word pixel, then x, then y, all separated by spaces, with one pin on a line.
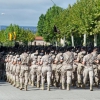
pixel 42 87
pixel 91 88
pixel 14 84
pixel 48 88
pixel 17 85
pixel 68 87
pixel 33 84
pixel 21 86
pixel 78 85
pixel 29 82
pixel 38 84
pixel 11 82
pixel 83 86
pixel 25 87
pixel 56 84
pixel 63 86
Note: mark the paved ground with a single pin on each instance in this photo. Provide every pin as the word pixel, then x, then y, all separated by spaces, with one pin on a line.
pixel 8 92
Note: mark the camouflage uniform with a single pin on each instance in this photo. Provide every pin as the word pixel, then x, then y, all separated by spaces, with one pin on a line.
pixel 33 68
pixel 46 70
pixel 25 68
pixel 39 70
pixel 80 67
pixel 67 68
pixel 95 68
pixel 88 70
pixel 18 68
pixel 58 60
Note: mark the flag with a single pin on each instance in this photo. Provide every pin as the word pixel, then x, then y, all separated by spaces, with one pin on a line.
pixel 10 36
pixel 14 36
pixel 55 29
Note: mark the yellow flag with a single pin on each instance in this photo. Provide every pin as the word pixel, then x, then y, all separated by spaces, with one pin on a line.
pixel 14 35
pixel 10 36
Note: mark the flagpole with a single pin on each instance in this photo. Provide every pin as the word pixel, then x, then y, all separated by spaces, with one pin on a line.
pixel 53 2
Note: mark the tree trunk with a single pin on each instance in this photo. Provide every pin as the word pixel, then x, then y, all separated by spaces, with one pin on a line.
pixel 95 39
pixel 56 44
pixel 84 43
pixel 64 41
pixel 72 38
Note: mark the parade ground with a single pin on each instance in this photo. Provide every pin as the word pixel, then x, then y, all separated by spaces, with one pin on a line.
pixel 8 92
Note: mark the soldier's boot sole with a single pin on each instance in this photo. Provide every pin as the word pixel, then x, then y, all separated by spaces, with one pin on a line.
pixel 68 87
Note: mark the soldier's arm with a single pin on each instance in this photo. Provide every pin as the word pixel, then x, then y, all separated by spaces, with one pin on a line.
pixel 98 59
pixel 84 60
pixel 56 60
pixel 41 62
pixel 78 58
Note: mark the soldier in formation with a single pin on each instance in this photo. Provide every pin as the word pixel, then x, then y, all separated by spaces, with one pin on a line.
pixel 61 67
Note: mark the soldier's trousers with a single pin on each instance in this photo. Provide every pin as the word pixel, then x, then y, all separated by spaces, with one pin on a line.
pixel 86 72
pixel 39 70
pixel 26 77
pixel 46 70
pixel 66 74
pixel 17 78
pixel 79 73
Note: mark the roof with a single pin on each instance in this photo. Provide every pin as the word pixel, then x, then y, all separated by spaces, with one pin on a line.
pixel 39 38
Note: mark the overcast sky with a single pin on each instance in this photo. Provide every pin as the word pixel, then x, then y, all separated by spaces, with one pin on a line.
pixel 27 12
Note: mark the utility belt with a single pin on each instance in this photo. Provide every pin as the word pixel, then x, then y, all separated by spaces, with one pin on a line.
pixel 24 64
pixel 89 65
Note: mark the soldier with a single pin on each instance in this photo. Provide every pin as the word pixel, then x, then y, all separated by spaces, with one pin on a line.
pixel 21 76
pixel 80 66
pixel 95 66
pixel 10 69
pixel 14 69
pixel 66 72
pixel 67 68
pixel 75 65
pixel 54 66
pixel 58 61
pixel 98 69
pixel 46 69
pixel 88 69
pixel 18 68
pixel 33 68
pixel 24 64
pixel 7 67
pixel 39 69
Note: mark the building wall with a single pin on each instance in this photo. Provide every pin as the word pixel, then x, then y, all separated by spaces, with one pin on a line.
pixel 39 42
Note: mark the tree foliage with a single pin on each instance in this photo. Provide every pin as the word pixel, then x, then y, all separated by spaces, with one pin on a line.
pixel 15 33
pixel 83 17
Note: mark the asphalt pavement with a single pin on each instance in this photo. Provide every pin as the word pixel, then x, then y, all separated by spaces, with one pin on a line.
pixel 8 92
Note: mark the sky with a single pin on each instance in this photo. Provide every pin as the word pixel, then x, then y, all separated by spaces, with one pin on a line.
pixel 27 12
